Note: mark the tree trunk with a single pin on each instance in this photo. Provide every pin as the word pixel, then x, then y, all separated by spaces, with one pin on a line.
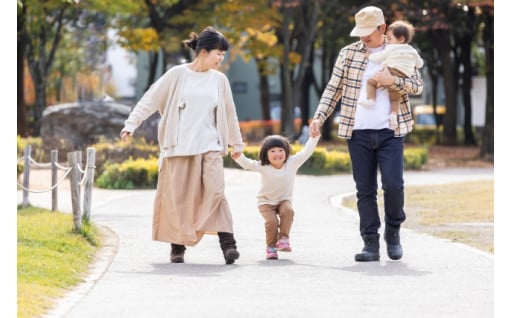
pixel 22 127
pixel 264 97
pixel 442 43
pixel 439 120
pixel 487 148
pixel 469 137
pixel 304 102
pixel 37 71
pixel 287 112
pixel 305 38
pixel 40 60
pixel 264 94
pixel 153 63
pixel 329 55
pixel 39 104
pixel 287 106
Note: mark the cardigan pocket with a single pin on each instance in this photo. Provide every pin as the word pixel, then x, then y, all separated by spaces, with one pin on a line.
pixel 181 109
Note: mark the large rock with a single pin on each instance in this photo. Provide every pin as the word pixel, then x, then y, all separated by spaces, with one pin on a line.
pixel 74 126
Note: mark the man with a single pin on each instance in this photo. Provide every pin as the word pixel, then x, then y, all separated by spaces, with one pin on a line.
pixel 372 144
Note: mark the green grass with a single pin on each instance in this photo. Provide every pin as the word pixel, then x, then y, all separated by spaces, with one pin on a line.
pixel 461 212
pixel 52 258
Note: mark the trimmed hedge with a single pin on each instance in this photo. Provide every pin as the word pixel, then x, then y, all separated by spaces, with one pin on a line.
pixel 143 173
pixel 131 174
pixel 108 152
pixel 116 168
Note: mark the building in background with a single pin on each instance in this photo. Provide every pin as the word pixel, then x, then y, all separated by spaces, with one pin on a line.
pixel 123 73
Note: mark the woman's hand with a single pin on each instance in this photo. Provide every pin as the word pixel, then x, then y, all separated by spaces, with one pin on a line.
pixel 125 136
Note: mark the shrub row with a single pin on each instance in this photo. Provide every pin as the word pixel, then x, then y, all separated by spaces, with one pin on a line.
pixel 143 173
pixel 140 173
pixel 116 167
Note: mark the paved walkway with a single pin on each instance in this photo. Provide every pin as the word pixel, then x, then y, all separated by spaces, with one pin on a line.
pixel 133 276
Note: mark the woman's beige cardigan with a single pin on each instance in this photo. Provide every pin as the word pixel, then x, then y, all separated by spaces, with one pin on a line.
pixel 165 96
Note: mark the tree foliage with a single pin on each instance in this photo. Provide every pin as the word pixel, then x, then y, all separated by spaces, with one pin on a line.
pixel 447 32
pixel 55 40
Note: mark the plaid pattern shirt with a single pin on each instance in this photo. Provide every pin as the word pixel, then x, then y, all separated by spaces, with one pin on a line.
pixel 345 84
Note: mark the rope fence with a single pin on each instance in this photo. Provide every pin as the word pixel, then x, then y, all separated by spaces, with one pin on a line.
pixel 78 178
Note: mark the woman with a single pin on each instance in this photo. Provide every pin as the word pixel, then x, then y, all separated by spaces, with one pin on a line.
pixel 198 122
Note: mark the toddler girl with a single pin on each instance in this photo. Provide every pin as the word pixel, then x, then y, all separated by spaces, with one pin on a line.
pixel 277 168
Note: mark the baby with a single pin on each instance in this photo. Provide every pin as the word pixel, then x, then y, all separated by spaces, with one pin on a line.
pixel 401 59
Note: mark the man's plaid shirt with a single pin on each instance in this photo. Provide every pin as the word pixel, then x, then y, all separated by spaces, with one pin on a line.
pixel 345 84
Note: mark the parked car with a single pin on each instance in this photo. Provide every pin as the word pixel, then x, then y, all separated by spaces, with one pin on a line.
pixel 275 112
pixel 424 116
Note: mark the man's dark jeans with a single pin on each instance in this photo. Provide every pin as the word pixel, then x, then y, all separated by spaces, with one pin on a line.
pixel 371 150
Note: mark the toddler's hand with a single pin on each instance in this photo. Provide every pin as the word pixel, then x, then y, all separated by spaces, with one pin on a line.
pixel 235 155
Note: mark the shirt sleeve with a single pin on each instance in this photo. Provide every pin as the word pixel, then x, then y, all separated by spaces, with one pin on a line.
pixel 234 135
pixel 248 164
pixel 153 100
pixel 300 157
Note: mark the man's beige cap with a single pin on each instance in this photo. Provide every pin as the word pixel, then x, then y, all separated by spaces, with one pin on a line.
pixel 367 20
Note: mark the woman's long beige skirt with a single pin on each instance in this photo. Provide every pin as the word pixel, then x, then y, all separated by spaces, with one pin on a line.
pixel 190 200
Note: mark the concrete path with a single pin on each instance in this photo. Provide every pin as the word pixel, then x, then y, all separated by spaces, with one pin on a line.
pixel 319 278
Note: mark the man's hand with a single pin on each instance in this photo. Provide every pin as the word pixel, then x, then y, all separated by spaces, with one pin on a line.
pixel 384 77
pixel 314 128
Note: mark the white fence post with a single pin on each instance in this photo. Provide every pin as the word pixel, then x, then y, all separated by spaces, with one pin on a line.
pixel 26 175
pixel 75 173
pixel 74 182
pixel 54 158
pixel 89 182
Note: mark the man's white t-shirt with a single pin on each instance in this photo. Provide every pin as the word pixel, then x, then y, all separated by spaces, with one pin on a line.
pixel 376 117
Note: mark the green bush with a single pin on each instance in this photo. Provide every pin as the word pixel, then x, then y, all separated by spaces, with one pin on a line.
pixel 415 158
pixel 251 152
pixel 430 136
pixel 324 161
pixel 37 152
pixel 115 168
pixel 20 167
pixel 337 162
pixel 108 152
pixel 132 174
pixel 143 173
pixel 315 164
pixel 423 136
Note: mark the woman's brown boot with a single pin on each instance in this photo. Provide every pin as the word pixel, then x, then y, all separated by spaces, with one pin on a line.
pixel 228 246
pixel 177 253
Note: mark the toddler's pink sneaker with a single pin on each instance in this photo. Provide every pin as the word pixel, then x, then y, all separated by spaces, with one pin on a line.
pixel 284 245
pixel 271 252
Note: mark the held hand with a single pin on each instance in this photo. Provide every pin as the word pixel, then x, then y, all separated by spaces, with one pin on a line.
pixel 125 136
pixel 235 155
pixel 314 128
pixel 384 77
